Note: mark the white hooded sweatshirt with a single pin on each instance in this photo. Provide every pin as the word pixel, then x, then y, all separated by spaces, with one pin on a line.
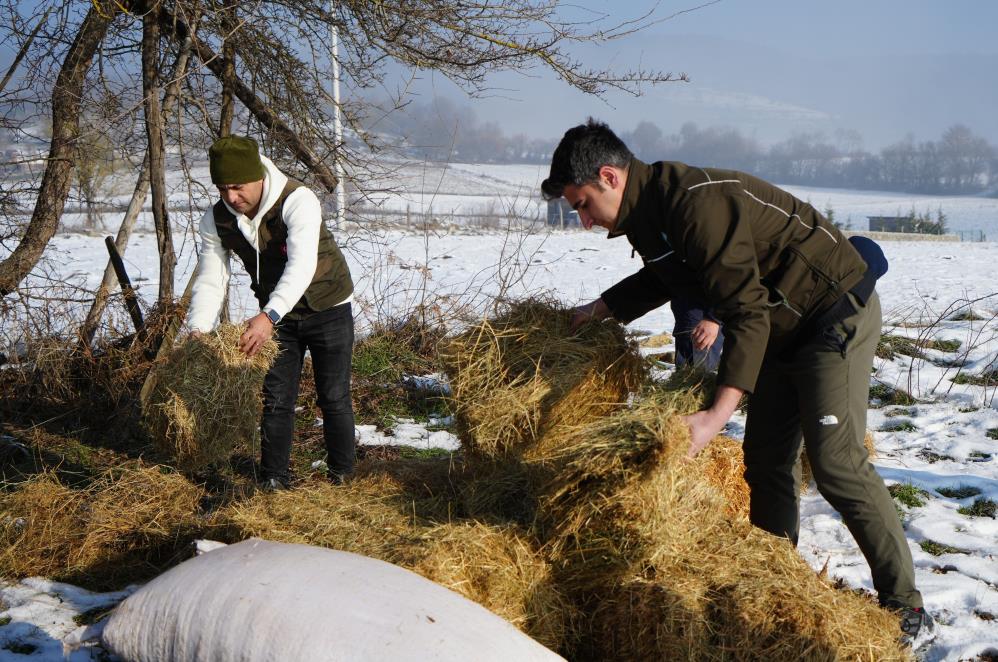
pixel 303 216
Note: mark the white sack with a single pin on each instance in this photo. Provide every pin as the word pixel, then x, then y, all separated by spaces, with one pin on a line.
pixel 261 601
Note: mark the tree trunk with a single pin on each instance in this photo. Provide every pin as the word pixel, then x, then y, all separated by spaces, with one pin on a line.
pixel 228 71
pixel 139 193
pixel 178 30
pixel 56 180
pixel 154 136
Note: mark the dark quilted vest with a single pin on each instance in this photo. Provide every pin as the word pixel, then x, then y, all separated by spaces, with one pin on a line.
pixel 331 283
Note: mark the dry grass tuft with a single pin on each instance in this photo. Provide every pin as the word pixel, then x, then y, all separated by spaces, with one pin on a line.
pixel 499 568
pixel 207 398
pixel 522 373
pixel 636 530
pixel 657 340
pixel 123 526
pixel 365 516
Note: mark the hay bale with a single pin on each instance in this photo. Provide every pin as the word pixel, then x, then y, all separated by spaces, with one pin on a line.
pixel 521 373
pixel 207 398
pixel 634 529
pixel 723 466
pixel 124 526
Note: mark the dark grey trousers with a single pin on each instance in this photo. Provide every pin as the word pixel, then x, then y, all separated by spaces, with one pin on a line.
pixel 820 397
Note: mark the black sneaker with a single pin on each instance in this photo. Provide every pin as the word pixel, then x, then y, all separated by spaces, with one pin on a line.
pixel 273 484
pixel 337 478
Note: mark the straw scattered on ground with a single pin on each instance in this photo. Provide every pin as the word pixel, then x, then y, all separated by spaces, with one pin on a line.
pixel 121 527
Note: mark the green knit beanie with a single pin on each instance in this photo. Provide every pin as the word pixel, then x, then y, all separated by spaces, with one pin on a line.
pixel 234 160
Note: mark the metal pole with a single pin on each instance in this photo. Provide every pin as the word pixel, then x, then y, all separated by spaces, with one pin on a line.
pixel 337 128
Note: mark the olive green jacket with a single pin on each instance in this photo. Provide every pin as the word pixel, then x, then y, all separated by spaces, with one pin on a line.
pixel 764 262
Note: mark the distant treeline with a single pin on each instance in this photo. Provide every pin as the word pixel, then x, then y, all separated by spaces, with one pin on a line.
pixel 959 162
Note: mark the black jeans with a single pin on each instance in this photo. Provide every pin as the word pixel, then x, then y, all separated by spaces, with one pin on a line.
pixel 328 335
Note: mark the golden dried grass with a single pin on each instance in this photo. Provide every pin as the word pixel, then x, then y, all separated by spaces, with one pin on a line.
pixel 207 398
pixel 499 568
pixel 656 341
pixel 116 529
pixel 635 529
pixel 517 375
pixel 375 515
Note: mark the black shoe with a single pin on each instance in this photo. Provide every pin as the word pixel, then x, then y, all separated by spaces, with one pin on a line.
pixel 337 478
pixel 273 484
pixel 914 621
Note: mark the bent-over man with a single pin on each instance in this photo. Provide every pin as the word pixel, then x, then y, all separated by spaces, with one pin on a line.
pixel 801 322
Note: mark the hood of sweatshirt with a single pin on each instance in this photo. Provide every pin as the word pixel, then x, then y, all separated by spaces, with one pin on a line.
pixel 274 182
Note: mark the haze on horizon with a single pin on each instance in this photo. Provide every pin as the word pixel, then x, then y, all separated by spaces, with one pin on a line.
pixel 884 69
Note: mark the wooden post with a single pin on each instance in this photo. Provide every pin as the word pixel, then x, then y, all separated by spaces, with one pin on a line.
pixel 131 300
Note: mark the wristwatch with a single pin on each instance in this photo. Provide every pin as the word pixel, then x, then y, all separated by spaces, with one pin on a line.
pixel 273 316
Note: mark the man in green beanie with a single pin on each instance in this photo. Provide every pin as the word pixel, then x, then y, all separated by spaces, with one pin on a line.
pixel 298 274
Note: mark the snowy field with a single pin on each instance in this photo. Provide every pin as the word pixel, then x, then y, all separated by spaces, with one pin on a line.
pixel 946 444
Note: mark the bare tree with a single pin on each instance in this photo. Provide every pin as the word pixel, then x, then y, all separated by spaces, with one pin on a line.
pixel 66 95
pixel 272 59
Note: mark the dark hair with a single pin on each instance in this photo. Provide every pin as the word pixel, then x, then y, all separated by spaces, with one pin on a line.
pixel 583 150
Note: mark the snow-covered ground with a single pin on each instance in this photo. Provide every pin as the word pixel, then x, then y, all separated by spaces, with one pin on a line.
pixel 939 444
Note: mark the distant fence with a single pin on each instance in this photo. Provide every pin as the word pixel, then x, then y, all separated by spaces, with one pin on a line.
pixel 971 235
pixel 901 236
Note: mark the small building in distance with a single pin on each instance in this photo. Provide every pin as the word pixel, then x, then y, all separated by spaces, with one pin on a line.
pixel 561 214
pixel 910 224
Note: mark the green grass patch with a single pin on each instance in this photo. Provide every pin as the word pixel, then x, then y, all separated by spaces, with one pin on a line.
pixel 412 453
pixel 978 456
pixel 937 548
pixel 903 411
pixel 992 433
pixel 967 315
pixel 908 495
pixel 986 378
pixel 4 620
pixel 932 458
pixel 889 346
pixel 886 396
pixel 20 649
pixel 899 426
pixel 942 345
pixel 970 410
pixel 960 492
pixel 980 508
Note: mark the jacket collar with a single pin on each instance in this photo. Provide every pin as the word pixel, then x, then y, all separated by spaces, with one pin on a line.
pixel 639 175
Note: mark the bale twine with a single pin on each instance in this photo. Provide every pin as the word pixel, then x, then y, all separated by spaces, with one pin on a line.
pixel 207 398
pixel 522 372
